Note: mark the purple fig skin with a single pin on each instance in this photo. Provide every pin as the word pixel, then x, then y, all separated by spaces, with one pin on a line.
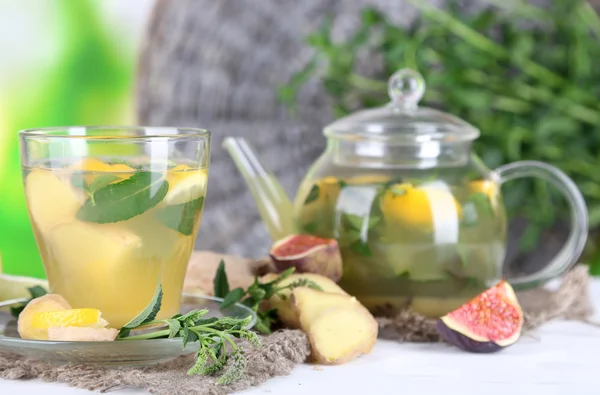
pixel 324 259
pixel 464 342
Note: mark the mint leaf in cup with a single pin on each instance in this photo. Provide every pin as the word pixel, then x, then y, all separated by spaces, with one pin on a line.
pixel 125 199
pixel 181 217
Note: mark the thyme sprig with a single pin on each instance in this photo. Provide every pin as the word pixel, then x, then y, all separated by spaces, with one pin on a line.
pixel 217 351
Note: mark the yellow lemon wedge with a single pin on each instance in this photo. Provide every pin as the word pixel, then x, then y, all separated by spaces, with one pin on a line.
pixel 90 164
pixel 95 165
pixel 185 185
pixel 483 186
pixel 403 203
pixel 89 318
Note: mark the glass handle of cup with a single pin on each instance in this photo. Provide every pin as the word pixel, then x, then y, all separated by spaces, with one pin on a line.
pixel 573 247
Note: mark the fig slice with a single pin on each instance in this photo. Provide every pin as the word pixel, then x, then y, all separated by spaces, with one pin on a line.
pixel 488 323
pixel 308 254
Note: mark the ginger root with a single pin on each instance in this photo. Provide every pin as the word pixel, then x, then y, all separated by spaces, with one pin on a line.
pixel 309 304
pixel 341 334
pixel 81 334
pixel 282 301
pixel 339 328
pixel 48 302
pixel 50 317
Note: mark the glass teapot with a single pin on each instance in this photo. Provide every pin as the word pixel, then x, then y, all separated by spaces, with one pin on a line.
pixel 418 217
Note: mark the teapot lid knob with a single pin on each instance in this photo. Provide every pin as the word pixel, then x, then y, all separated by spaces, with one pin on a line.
pixel 406 87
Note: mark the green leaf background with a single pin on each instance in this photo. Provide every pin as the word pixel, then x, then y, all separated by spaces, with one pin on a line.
pixel 89 81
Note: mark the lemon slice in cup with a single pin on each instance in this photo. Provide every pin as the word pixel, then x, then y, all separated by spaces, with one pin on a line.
pixel 185 185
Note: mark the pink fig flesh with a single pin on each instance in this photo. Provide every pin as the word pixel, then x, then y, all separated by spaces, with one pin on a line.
pixel 488 323
pixel 308 254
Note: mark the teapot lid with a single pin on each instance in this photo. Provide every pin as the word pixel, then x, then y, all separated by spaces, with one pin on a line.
pixel 402 121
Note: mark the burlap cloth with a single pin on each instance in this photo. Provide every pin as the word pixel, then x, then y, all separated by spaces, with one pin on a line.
pixel 284 349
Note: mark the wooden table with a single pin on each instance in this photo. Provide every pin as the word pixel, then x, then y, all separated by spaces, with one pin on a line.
pixel 561 358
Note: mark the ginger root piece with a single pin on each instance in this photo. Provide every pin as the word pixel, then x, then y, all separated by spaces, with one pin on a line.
pixel 310 303
pixel 340 334
pixel 81 334
pixel 50 200
pixel 49 302
pixel 283 303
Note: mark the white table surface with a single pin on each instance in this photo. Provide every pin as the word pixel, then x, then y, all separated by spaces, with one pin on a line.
pixel 560 358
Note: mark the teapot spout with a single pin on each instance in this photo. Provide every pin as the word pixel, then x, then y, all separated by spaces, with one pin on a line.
pixel 273 203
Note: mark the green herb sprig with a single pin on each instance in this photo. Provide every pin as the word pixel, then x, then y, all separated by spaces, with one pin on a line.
pixel 217 349
pixel 256 294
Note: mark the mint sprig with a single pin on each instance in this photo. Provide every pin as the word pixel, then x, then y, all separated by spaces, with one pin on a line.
pixel 212 334
pixel 125 199
pixel 101 181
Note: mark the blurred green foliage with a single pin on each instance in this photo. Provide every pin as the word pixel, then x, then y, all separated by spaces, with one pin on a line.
pixel 89 83
pixel 526 76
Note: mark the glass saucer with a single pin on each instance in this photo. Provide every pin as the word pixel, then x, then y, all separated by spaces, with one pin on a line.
pixel 116 353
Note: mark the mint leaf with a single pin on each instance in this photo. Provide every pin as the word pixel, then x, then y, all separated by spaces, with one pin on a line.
pixel 361 248
pixel 181 217
pixel 313 194
pixel 37 291
pixel 118 161
pixel 125 199
pixel 174 327
pixel 220 282
pixel 311 227
pixel 355 222
pixel 398 191
pixel 150 311
pixel 102 181
pixel 233 297
pixel 78 182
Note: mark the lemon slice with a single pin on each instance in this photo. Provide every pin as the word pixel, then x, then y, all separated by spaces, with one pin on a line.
pixel 185 185
pixel 87 318
pixel 96 166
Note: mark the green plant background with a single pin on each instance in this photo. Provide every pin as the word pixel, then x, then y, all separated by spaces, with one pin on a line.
pixel 88 82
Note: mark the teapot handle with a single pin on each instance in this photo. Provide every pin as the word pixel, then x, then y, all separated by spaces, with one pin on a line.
pixel 573 247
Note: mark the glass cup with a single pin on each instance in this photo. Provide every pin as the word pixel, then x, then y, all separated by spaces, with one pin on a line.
pixel 114 211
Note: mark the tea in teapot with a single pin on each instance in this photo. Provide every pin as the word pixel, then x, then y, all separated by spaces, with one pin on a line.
pixel 418 217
